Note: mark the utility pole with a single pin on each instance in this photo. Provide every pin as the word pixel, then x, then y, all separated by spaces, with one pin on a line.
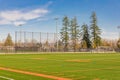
pixel 56 19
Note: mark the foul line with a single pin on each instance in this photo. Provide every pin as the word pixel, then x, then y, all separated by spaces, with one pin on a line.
pixel 34 74
pixel 6 78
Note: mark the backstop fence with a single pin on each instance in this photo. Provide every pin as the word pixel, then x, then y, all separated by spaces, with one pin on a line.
pixel 36 41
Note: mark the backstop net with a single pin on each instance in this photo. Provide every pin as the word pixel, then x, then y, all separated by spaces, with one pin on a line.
pixel 36 41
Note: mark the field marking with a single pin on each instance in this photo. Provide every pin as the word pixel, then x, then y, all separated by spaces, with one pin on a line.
pixel 6 78
pixel 33 73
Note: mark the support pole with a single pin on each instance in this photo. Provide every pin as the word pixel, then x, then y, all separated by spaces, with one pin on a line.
pixel 15 41
pixel 56 19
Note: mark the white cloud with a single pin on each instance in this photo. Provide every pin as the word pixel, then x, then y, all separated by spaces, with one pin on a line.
pixel 17 17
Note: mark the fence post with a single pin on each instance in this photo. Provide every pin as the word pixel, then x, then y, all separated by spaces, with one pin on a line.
pixel 15 41
pixel 24 39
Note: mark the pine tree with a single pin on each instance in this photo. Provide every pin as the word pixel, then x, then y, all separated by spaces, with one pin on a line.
pixel 95 31
pixel 74 33
pixel 8 41
pixel 65 33
pixel 85 37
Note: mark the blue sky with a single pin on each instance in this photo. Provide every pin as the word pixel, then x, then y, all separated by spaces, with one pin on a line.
pixel 38 15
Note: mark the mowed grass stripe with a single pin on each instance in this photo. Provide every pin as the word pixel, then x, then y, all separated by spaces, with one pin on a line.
pixel 34 74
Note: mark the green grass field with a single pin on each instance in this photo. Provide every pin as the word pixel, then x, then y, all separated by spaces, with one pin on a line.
pixel 75 66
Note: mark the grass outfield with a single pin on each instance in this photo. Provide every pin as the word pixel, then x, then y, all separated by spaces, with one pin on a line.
pixel 73 66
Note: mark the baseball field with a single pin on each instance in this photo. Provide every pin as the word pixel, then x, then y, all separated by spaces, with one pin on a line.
pixel 60 66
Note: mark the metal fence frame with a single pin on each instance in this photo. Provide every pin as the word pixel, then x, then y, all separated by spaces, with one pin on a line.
pixel 35 41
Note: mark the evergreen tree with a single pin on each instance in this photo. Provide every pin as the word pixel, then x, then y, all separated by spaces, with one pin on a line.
pixel 65 33
pixel 8 41
pixel 74 32
pixel 86 43
pixel 95 31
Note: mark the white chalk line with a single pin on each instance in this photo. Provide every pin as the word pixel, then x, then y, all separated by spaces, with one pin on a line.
pixel 6 78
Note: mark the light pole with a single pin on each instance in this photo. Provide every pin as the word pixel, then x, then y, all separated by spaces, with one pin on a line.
pixel 20 33
pixel 56 19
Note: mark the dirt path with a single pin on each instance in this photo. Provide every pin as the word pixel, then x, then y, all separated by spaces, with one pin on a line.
pixel 33 73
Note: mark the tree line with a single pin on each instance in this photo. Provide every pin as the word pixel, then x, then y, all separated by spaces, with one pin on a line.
pixel 87 36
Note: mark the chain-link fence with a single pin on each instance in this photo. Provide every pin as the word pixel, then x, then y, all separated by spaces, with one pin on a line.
pixel 36 41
